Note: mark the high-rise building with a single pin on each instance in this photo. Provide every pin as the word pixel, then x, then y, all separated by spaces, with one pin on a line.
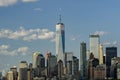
pixel 51 66
pixel 22 73
pixel 60 41
pixel 10 75
pixel 60 69
pixel 15 73
pixel 94 45
pixel 35 59
pixel 99 72
pixel 68 57
pixel 38 63
pixel 118 71
pixel 83 60
pixel 101 54
pixel 110 53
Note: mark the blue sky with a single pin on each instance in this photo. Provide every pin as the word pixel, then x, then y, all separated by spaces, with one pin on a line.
pixel 27 26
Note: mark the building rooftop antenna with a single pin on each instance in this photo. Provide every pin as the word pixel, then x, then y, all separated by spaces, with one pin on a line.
pixel 60 18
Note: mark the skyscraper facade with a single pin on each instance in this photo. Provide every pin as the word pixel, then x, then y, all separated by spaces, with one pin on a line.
pixel 101 54
pixel 38 63
pixel 22 74
pixel 110 53
pixel 94 45
pixel 83 60
pixel 60 41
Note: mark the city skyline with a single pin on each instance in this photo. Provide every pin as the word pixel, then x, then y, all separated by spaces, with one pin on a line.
pixel 27 26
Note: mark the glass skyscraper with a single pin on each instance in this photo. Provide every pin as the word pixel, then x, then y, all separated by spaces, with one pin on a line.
pixel 94 45
pixel 83 60
pixel 60 41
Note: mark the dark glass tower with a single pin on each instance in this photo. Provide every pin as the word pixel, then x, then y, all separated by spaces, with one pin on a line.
pixel 110 53
pixel 83 60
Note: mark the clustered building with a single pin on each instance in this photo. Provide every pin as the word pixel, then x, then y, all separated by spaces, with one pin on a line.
pixel 92 65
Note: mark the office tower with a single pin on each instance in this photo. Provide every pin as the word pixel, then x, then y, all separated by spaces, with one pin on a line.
pixel 38 63
pixel 118 71
pixel 75 65
pixel 113 68
pixel 99 72
pixel 92 63
pixel 94 45
pixel 10 75
pixel 30 72
pixel 15 73
pixel 60 41
pixel 22 73
pixel 35 59
pixel 60 69
pixel 110 53
pixel 68 57
pixel 101 54
pixel 69 67
pixel 52 64
pixel 83 60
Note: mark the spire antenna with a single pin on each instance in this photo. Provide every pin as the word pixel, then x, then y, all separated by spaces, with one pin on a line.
pixel 60 18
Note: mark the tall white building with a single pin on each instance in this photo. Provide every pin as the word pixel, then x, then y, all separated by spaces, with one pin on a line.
pixel 101 54
pixel 94 45
pixel 60 41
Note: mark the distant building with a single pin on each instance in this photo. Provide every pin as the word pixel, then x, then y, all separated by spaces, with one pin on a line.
pixel 69 67
pixel 118 71
pixel 10 75
pixel 38 63
pixel 92 63
pixel 83 60
pixel 100 72
pixel 94 45
pixel 110 53
pixel 15 73
pixel 114 66
pixel 60 69
pixel 22 73
pixel 52 64
pixel 104 58
pixel 101 54
pixel 68 57
pixel 60 41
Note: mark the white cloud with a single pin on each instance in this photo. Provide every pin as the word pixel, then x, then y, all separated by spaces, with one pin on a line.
pixel 73 37
pixel 112 43
pixel 101 33
pixel 27 35
pixel 7 2
pixel 29 0
pixel 5 50
pixel 107 43
pixel 11 2
pixel 38 9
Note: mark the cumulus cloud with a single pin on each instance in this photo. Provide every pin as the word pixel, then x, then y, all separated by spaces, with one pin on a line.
pixel 38 9
pixel 5 50
pixel 7 2
pixel 11 2
pixel 111 43
pixel 27 35
pixel 73 37
pixel 101 33
pixel 29 0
